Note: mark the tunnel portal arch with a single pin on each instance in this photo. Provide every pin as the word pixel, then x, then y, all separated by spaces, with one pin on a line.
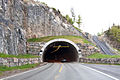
pixel 60 50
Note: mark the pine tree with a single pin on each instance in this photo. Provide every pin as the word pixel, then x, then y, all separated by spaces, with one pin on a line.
pixel 73 14
pixel 79 21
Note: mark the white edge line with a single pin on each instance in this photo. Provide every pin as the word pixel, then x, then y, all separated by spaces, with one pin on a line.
pixel 101 73
pixel 20 73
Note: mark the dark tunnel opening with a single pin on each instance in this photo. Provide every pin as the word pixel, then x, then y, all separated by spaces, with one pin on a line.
pixel 60 52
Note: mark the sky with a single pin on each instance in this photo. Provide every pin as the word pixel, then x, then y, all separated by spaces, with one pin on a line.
pixel 96 15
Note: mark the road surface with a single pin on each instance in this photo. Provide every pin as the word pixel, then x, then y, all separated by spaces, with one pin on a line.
pixel 103 47
pixel 70 71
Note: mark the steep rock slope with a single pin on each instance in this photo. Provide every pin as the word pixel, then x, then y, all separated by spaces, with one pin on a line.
pixel 44 21
pixel 12 38
pixel 24 19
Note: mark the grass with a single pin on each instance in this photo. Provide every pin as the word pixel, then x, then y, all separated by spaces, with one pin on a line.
pixel 75 39
pixel 98 55
pixel 18 56
pixel 77 28
pixel 5 68
pixel 118 50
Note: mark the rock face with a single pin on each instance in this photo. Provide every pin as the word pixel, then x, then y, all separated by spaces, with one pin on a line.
pixel 44 21
pixel 12 38
pixel 24 19
pixel 112 42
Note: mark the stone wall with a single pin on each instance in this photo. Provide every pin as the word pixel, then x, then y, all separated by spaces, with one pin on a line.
pixel 102 61
pixel 34 47
pixel 86 49
pixel 10 62
pixel 21 19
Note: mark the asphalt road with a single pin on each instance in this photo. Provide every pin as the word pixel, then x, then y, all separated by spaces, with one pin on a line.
pixel 70 71
pixel 103 47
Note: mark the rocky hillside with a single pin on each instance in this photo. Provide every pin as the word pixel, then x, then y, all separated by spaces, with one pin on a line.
pixel 24 19
pixel 112 36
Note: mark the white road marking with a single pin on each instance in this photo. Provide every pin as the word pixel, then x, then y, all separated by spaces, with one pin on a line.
pixel 20 73
pixel 101 72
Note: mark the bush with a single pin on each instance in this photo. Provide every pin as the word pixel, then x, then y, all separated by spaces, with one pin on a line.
pixel 114 33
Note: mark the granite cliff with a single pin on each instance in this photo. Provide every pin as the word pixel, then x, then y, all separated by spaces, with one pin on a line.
pixel 24 19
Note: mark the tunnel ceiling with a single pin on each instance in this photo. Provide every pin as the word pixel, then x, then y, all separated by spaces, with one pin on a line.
pixel 60 51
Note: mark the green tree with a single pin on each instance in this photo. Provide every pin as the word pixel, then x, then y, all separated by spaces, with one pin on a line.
pixel 69 19
pixel 79 21
pixel 114 32
pixel 73 14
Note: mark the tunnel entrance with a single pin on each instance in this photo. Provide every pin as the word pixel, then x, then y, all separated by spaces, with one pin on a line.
pixel 60 51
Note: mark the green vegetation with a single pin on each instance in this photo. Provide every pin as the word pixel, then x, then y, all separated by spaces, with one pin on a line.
pixel 99 34
pixel 54 9
pixel 77 28
pixel 99 55
pixel 75 39
pixel 73 14
pixel 79 21
pixel 114 32
pixel 69 19
pixel 74 20
pixel 5 68
pixel 18 56
pixel 42 3
pixel 118 51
